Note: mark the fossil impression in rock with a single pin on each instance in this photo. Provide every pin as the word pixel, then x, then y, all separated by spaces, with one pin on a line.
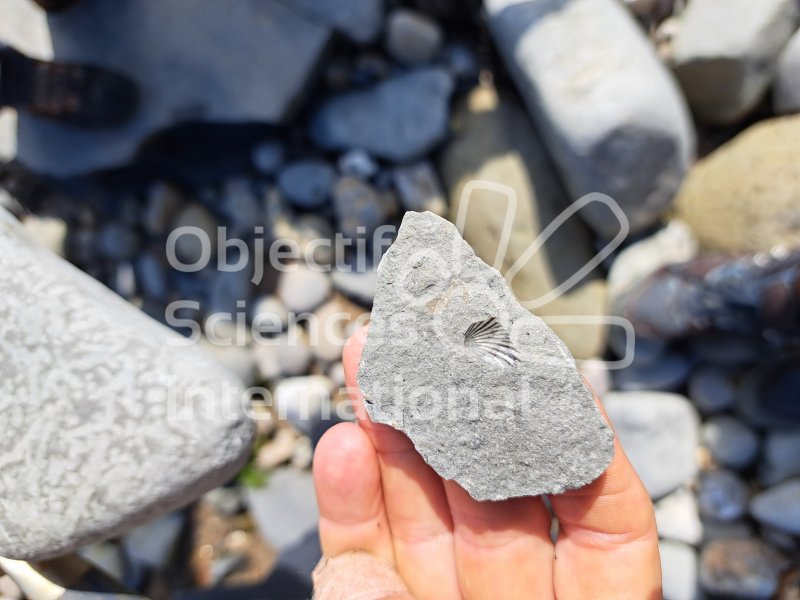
pixel 488 394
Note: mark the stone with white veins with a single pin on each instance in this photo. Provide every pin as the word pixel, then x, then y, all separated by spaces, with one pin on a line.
pixel 488 394
pixel 108 419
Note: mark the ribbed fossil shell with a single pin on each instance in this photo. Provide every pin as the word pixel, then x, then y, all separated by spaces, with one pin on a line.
pixel 493 341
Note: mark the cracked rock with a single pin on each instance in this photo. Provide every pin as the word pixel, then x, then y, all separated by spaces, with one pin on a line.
pixel 488 394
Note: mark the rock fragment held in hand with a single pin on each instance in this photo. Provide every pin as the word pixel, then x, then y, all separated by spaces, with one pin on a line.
pixel 488 394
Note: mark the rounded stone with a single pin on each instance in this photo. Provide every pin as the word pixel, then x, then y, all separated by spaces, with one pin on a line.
pixel 412 37
pixel 779 461
pixel 731 443
pixel 678 571
pixel 711 390
pixel 740 568
pixel 307 184
pixel 779 507
pixel 269 315
pixel 722 495
pixel 302 289
pixel 268 157
pixel 667 373
pixel 188 246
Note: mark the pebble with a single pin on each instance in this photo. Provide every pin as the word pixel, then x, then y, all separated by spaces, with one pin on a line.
pixel 188 246
pixel 419 189
pixel 725 54
pixel 732 443
pixel 303 453
pixel 226 565
pixel 268 157
pixel 284 510
pixel 398 120
pixel 412 37
pixel 107 556
pixel 307 232
pixel 678 517
pixel 744 569
pixel 357 286
pixel 302 289
pixel 50 232
pixel 269 315
pixel 359 207
pixel 294 351
pixel 240 206
pixel 726 350
pixel 151 276
pixel 575 63
pixel 278 450
pixel 124 280
pixel 659 432
pixel 237 359
pixel 666 374
pixel 307 184
pixel 163 203
pixel 229 292
pixel 226 501
pixel 462 62
pixel 359 20
pixel 359 164
pixel 780 457
pixel 717 530
pixel 153 544
pixel 711 390
pixel 268 361
pixel 304 401
pixel 722 495
pixel 332 331
pixel 767 395
pixel 786 97
pixel 678 571
pixel 779 506
pixel 336 373
pixel 117 241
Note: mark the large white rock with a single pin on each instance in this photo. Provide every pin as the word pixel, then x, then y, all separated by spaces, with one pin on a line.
pixel 109 419
pixel 608 109
pixel 786 96
pixel 724 54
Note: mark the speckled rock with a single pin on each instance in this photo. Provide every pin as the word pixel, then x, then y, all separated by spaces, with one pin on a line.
pixel 722 495
pixel 487 393
pixel 744 569
pixel 109 420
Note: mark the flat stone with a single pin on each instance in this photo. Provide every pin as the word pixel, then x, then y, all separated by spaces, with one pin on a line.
pixel 743 196
pixel 307 184
pixel 678 517
pixel 304 401
pixel 779 506
pixel 679 571
pixel 732 443
pixel 722 496
pixel 494 159
pixel 398 120
pixel 779 460
pixel 712 390
pixel 260 78
pixel 303 289
pixel 724 54
pixel 412 37
pixel 786 95
pixel 489 396
pixel 360 20
pixel 284 510
pixel 611 115
pixel 419 188
pixel 740 568
pixel 659 432
pixel 358 286
pixel 110 420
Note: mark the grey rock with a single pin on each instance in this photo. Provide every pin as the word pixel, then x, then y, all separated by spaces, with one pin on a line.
pixel 357 286
pixel 659 432
pixel 360 20
pixel 117 241
pixel 487 393
pixel 609 111
pixel 189 245
pixel 419 188
pixel 746 569
pixel 732 443
pixel 240 206
pixel 462 62
pixel 153 544
pixel 151 277
pixel 678 517
pixel 779 506
pixel 725 350
pixel 358 164
pixel 412 37
pixel 293 350
pixel 308 231
pixel 235 357
pixel 667 373
pixel 229 292
pixel 225 501
pixel 269 315
pixel 304 401
pixel 779 460
pixel 780 540
pixel 786 97
pixel 711 390
pixel 123 280
pixel 717 530
pixel 107 556
pixel 109 419
pixel 268 157
pixel 262 77
pixel 398 120
pixel 766 395
pixel 285 510
pixel 303 289
pixel 724 55
pixel 307 184
pixel 359 207
pixel 679 571
pixel 163 202
pixel 722 495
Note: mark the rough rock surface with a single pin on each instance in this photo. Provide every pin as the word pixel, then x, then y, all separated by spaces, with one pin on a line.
pixel 609 111
pixel 744 196
pixel 496 148
pixel 724 54
pixel 488 394
pixel 398 120
pixel 108 419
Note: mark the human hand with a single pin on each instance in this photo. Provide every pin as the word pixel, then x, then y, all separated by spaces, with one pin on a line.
pixel 378 497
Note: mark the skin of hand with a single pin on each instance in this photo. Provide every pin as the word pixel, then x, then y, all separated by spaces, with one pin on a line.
pixel 382 506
